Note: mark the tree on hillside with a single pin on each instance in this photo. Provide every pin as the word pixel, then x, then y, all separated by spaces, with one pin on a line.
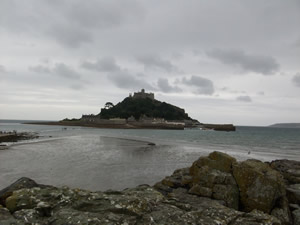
pixel 108 105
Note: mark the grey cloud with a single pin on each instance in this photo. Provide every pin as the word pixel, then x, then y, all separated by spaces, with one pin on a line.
pixel 156 62
pixel 203 85
pixel 124 80
pixel 164 86
pixel 297 43
pixel 103 14
pixel 63 70
pixel 39 69
pixel 59 69
pixel 296 80
pixel 69 36
pixel 2 69
pixel 77 86
pixel 102 65
pixel 244 98
pixel 265 65
pixel 70 23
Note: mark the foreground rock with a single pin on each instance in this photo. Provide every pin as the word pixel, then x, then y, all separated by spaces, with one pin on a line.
pixel 214 190
pixel 246 186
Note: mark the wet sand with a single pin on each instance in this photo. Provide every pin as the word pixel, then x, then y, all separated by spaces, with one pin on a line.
pixel 90 162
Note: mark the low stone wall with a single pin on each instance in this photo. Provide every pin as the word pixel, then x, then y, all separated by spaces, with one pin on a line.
pixel 220 127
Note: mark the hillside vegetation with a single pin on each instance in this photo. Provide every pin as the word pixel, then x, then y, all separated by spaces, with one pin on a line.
pixel 138 107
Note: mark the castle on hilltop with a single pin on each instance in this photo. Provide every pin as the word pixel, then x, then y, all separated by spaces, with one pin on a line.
pixel 142 94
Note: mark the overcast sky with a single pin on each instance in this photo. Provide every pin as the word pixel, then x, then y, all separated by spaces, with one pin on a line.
pixel 232 61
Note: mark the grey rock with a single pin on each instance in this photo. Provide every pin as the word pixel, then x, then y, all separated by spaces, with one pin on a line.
pixel 294 206
pixel 6 218
pixel 296 217
pixel 201 191
pixel 260 186
pixel 290 170
pixel 255 217
pixel 23 182
pixel 215 160
pixel 293 193
pixel 208 182
pixel 140 205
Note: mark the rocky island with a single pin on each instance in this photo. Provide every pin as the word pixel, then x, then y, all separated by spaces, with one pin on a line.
pixel 215 190
pixel 141 111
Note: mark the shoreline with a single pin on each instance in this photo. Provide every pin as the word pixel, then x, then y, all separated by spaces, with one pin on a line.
pixel 112 126
pixel 137 125
pixel 226 193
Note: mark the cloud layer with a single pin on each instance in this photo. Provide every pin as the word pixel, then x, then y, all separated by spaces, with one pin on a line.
pixel 70 24
pixel 84 54
pixel 203 85
pixel 59 69
pixel 102 65
pixel 156 63
pixel 265 65
pixel 164 86
pixel 296 80
pixel 244 98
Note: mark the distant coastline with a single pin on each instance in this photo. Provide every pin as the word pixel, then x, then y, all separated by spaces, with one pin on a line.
pixel 285 125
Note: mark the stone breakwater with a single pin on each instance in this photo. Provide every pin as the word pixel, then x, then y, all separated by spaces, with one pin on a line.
pixel 14 136
pixel 215 190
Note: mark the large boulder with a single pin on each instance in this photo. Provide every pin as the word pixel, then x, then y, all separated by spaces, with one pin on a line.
pixel 260 186
pixel 208 182
pixel 246 186
pixel 211 177
pixel 215 160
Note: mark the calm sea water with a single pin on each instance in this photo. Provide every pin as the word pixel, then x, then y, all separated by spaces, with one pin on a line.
pixel 100 159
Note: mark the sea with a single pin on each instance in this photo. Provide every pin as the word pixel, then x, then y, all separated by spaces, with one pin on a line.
pixel 102 159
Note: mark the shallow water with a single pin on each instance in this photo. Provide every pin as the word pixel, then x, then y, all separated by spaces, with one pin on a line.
pixel 100 159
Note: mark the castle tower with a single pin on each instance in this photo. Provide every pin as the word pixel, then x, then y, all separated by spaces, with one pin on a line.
pixel 143 94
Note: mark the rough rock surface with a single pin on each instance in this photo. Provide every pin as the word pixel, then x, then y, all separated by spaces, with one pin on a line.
pixel 209 192
pixel 140 205
pixel 260 186
pixel 296 216
pixel 23 182
pixel 211 177
pixel 289 169
pixel 293 193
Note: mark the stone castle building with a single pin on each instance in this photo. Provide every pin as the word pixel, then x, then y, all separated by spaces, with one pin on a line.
pixel 142 94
